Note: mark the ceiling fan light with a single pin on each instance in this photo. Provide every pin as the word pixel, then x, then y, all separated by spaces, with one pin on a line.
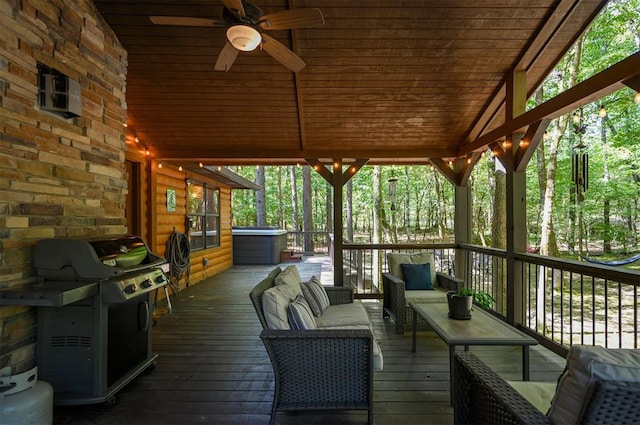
pixel 243 37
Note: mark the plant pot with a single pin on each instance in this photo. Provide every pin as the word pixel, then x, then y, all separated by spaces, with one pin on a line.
pixel 459 306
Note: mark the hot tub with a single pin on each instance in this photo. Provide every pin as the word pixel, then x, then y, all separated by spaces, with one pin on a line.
pixel 258 245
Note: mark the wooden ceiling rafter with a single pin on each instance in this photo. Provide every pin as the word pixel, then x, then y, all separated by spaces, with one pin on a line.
pixel 398 83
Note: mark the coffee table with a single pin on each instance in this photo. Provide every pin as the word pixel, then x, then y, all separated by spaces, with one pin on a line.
pixel 482 329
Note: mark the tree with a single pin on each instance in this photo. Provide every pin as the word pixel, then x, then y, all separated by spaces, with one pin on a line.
pixel 261 205
pixel 307 212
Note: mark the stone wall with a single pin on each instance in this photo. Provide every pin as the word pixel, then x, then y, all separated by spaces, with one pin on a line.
pixel 58 177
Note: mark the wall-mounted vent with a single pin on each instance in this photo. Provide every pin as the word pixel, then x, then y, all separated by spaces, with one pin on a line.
pixel 58 93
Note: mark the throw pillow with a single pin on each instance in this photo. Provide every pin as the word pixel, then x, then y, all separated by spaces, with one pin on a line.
pixel 275 301
pixel 395 259
pixel 416 276
pixel 316 296
pixel 290 278
pixel 300 315
pixel 585 366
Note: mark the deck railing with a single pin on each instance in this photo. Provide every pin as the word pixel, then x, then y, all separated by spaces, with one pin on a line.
pixel 308 243
pixel 565 301
pixel 364 264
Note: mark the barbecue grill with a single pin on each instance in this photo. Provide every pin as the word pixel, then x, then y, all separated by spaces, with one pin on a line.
pixel 94 316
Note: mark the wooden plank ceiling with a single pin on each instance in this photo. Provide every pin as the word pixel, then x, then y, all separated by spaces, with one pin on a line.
pixel 389 80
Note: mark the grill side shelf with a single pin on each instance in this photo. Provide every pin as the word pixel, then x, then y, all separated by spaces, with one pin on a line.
pixel 49 293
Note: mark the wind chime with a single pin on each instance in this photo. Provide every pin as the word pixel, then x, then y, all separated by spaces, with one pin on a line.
pixel 579 172
pixel 393 183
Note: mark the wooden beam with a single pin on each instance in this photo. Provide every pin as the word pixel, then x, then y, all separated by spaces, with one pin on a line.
pixel 529 143
pixel 321 169
pixel 352 170
pixel 445 170
pixel 600 85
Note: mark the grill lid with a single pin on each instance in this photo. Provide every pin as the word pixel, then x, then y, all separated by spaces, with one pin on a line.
pixel 90 259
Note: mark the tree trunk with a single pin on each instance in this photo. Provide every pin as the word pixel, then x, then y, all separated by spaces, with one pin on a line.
pixel 439 202
pixel 295 224
pixel 307 213
pixel 407 205
pixel 280 201
pixel 349 202
pixel 606 208
pixel 377 206
pixel 499 222
pixel 261 206
pixel 328 207
pixel 376 237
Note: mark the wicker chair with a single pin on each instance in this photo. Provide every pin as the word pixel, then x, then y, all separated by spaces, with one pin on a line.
pixel 483 397
pixel 318 369
pixel 395 304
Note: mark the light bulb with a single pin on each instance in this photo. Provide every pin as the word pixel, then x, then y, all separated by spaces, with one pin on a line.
pixel 602 113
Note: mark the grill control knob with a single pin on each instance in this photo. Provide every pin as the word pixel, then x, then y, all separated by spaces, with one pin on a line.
pixel 160 278
pixel 130 289
pixel 147 283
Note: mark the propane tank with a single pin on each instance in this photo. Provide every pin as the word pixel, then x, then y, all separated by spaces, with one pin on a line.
pixel 24 400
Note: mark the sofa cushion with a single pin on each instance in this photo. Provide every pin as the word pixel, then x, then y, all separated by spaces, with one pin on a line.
pixel 416 276
pixel 539 394
pixel 275 302
pixel 395 259
pixel 316 296
pixel 348 315
pixel 290 278
pixel 585 366
pixel 300 315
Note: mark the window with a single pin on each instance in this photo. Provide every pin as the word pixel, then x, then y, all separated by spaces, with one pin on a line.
pixel 203 215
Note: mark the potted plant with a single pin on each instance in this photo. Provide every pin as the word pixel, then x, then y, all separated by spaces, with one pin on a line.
pixel 461 302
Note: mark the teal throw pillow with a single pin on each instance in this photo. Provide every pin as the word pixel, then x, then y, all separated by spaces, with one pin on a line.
pixel 417 276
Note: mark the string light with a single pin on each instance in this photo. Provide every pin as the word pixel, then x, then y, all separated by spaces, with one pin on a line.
pixel 146 152
pixel 576 118
pixel 201 165
pixel 602 113
pixel 136 139
pixel 180 168
pixel 637 98
pixel 159 164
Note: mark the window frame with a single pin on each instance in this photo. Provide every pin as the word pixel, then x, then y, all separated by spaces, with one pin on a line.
pixel 203 217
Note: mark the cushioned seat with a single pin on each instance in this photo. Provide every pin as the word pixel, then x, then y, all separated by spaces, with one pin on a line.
pixel 320 344
pixel 397 293
pixel 599 386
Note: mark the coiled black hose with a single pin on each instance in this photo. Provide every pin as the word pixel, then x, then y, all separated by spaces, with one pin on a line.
pixel 177 254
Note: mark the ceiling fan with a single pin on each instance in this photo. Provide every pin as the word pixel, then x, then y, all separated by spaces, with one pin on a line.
pixel 246 23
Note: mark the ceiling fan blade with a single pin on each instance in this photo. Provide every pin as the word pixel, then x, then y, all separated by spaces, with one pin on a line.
pixel 226 57
pixel 282 54
pixel 185 21
pixel 292 19
pixel 235 6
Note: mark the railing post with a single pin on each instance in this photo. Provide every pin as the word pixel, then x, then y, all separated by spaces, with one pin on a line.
pixel 462 231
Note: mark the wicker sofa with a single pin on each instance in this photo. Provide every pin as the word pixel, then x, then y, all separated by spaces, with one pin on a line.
pixel 481 396
pixel 396 297
pixel 324 368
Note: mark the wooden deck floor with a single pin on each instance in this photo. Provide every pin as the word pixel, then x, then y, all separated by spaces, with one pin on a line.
pixel 213 369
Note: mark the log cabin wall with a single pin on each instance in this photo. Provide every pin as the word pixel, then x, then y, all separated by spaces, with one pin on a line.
pixel 159 223
pixel 59 176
